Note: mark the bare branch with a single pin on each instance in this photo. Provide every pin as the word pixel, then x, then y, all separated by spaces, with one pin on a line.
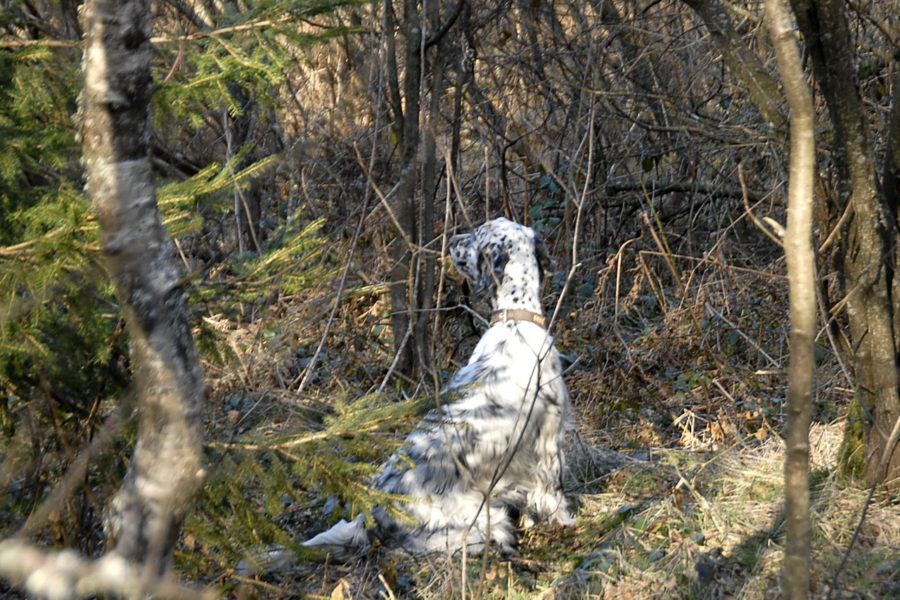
pixel 67 575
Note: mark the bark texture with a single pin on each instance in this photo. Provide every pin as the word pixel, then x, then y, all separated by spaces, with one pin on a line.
pixel 167 465
pixel 406 125
pixel 869 243
pixel 801 276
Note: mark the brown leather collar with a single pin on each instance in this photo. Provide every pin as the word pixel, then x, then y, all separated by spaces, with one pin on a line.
pixel 518 314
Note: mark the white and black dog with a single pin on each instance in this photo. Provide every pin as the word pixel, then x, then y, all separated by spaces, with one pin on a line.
pixel 493 451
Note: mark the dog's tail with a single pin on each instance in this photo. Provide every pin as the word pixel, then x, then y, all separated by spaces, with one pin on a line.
pixel 343 538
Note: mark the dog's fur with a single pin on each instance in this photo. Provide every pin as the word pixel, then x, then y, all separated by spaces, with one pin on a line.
pixel 492 453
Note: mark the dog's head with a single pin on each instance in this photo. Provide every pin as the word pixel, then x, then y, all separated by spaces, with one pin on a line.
pixel 482 257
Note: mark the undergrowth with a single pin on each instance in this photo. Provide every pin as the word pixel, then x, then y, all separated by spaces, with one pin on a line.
pixel 675 466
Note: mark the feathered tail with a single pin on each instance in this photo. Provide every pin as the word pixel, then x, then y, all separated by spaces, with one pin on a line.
pixel 343 537
pixel 343 541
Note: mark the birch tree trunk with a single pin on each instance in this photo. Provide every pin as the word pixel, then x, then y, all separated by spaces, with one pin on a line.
pixel 167 466
pixel 801 277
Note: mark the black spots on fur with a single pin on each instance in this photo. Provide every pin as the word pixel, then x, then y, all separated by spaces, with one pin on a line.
pixel 483 256
pixel 513 512
pixel 492 409
pixel 492 259
pixel 463 253
pixel 551 399
pixel 485 283
pixel 501 257
pixel 486 372
pixel 415 455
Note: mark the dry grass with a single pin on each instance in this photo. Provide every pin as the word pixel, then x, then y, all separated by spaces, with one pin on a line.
pixel 675 467
pixel 676 462
pixel 676 524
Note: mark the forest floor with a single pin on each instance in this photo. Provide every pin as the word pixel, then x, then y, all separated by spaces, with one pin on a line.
pixel 675 465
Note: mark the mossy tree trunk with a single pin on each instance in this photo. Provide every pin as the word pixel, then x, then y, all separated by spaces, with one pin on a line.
pixel 870 235
pixel 801 276
pixel 167 466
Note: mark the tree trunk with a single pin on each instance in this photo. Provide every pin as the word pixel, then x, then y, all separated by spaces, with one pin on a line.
pixel 871 235
pixel 891 187
pixel 801 276
pixel 167 465
pixel 427 262
pixel 406 126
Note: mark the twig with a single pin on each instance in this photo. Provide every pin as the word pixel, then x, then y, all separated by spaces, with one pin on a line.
pixel 252 25
pixel 665 252
pixel 579 204
pixel 749 340
pixel 678 187
pixel 383 198
pixel 301 441
pixel 753 217
pixel 73 478
pixel 308 371
pixel 837 227
pixel 387 588
pixel 701 500
pixel 619 253
pixel 397 356
pixel 718 264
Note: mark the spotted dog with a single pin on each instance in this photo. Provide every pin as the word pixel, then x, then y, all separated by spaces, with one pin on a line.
pixel 492 454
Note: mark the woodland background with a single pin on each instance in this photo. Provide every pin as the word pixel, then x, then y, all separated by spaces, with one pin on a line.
pixel 296 145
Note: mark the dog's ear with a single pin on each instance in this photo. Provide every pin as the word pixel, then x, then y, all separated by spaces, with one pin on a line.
pixel 464 255
pixel 492 260
pixel 482 265
pixel 544 262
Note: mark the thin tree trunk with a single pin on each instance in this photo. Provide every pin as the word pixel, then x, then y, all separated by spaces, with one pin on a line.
pixel 167 466
pixel 426 284
pixel 801 276
pixel 404 304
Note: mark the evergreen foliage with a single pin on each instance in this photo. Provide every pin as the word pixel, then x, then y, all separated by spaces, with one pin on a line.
pixel 244 53
pixel 63 348
pixel 39 152
pixel 259 480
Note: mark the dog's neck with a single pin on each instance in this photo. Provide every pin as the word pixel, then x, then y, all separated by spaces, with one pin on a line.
pixel 520 288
